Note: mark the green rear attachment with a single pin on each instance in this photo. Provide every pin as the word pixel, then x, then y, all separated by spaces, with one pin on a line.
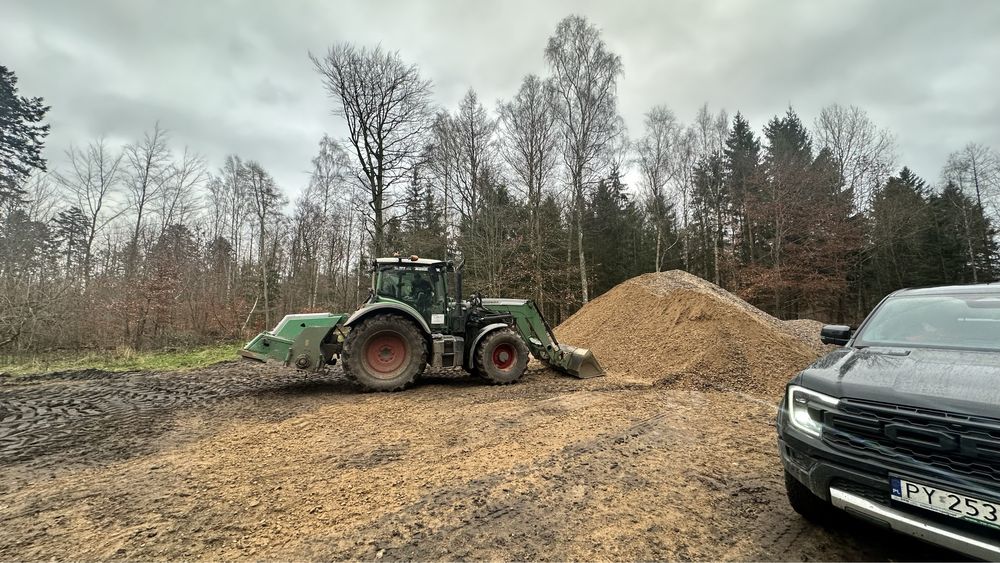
pixel 538 335
pixel 307 341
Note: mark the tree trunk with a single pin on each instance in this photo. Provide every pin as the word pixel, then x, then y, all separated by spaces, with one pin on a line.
pixel 537 243
pixel 656 262
pixel 263 278
pixel 968 243
pixel 717 243
pixel 378 242
pixel 579 239
pixel 687 242
pixel 986 236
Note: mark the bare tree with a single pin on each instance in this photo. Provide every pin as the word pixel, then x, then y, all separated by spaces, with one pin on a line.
pixel 975 170
pixel 329 183
pixel 179 197
pixel 864 154
pixel 685 158
pixel 147 169
pixel 232 200
pixel 386 106
pixel 474 130
pixel 92 181
pixel 41 196
pixel 711 131
pixel 442 157
pixel 529 143
pixel 654 152
pixel 585 76
pixel 266 202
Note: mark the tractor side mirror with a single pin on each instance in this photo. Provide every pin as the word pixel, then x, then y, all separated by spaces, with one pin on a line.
pixel 837 335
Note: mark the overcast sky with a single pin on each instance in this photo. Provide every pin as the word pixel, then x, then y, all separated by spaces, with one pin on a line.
pixel 234 77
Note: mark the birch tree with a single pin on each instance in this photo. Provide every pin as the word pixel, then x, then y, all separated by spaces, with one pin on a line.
pixel 863 153
pixel 529 137
pixel 585 76
pixel 653 156
pixel 975 172
pixel 266 202
pixel 147 169
pixel 474 131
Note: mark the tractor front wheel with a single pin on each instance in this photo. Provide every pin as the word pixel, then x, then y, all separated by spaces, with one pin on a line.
pixel 502 357
pixel 384 353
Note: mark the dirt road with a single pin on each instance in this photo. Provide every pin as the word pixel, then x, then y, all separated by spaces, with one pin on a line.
pixel 246 461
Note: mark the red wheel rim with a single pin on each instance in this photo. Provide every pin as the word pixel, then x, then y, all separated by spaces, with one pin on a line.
pixel 504 356
pixel 385 353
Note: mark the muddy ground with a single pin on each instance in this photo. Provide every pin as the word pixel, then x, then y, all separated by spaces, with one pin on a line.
pixel 249 461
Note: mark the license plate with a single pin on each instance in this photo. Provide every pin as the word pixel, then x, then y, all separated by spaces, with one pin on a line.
pixel 946 502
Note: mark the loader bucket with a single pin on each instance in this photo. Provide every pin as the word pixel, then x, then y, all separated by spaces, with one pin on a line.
pixel 578 362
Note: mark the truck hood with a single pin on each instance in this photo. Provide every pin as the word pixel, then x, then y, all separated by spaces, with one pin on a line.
pixel 961 381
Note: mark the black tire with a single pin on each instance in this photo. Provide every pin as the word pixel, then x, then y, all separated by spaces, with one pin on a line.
pixel 807 504
pixel 501 357
pixel 384 353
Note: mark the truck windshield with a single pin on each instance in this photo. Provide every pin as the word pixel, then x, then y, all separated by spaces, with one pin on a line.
pixel 935 321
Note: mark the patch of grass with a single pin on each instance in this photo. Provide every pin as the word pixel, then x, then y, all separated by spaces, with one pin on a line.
pixel 122 359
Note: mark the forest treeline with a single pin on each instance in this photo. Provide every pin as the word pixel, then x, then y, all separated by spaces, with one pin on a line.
pixel 544 194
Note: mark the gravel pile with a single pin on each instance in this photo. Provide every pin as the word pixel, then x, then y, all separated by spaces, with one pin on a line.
pixel 808 331
pixel 676 328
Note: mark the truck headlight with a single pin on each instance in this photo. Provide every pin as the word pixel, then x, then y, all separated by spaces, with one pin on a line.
pixel 804 409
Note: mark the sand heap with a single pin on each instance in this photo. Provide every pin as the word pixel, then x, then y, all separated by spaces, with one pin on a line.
pixel 676 328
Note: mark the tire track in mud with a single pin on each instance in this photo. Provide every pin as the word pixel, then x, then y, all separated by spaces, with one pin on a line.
pixel 91 417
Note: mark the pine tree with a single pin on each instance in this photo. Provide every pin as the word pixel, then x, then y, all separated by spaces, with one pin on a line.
pixel 22 136
pixel 711 201
pixel 743 175
pixel 70 230
pixel 906 249
pixel 617 234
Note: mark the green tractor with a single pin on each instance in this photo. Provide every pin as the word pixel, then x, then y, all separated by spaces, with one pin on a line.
pixel 410 321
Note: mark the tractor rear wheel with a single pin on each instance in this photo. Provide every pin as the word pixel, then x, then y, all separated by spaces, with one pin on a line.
pixel 501 357
pixel 384 353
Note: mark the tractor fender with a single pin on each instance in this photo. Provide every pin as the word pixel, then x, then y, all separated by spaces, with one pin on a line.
pixel 405 310
pixel 479 336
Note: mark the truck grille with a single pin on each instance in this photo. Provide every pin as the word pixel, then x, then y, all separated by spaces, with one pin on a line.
pixel 918 438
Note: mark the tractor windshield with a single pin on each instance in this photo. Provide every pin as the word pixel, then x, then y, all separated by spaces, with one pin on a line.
pixel 419 287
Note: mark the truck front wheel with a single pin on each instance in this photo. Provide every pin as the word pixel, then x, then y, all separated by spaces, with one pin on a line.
pixel 384 353
pixel 807 504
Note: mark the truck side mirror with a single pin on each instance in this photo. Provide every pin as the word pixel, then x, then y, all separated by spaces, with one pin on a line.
pixel 837 335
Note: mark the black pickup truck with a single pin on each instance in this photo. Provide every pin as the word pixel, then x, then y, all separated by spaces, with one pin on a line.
pixel 901 426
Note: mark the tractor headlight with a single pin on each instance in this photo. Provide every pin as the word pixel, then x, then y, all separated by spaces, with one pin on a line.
pixel 805 409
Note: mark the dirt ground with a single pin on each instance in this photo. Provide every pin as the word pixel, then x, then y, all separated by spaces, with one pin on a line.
pixel 251 461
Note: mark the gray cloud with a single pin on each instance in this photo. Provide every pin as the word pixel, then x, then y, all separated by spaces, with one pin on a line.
pixel 235 77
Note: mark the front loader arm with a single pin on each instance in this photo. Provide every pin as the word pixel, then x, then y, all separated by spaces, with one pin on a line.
pixel 541 341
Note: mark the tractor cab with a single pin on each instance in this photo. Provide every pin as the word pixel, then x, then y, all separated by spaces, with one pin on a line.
pixel 419 283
